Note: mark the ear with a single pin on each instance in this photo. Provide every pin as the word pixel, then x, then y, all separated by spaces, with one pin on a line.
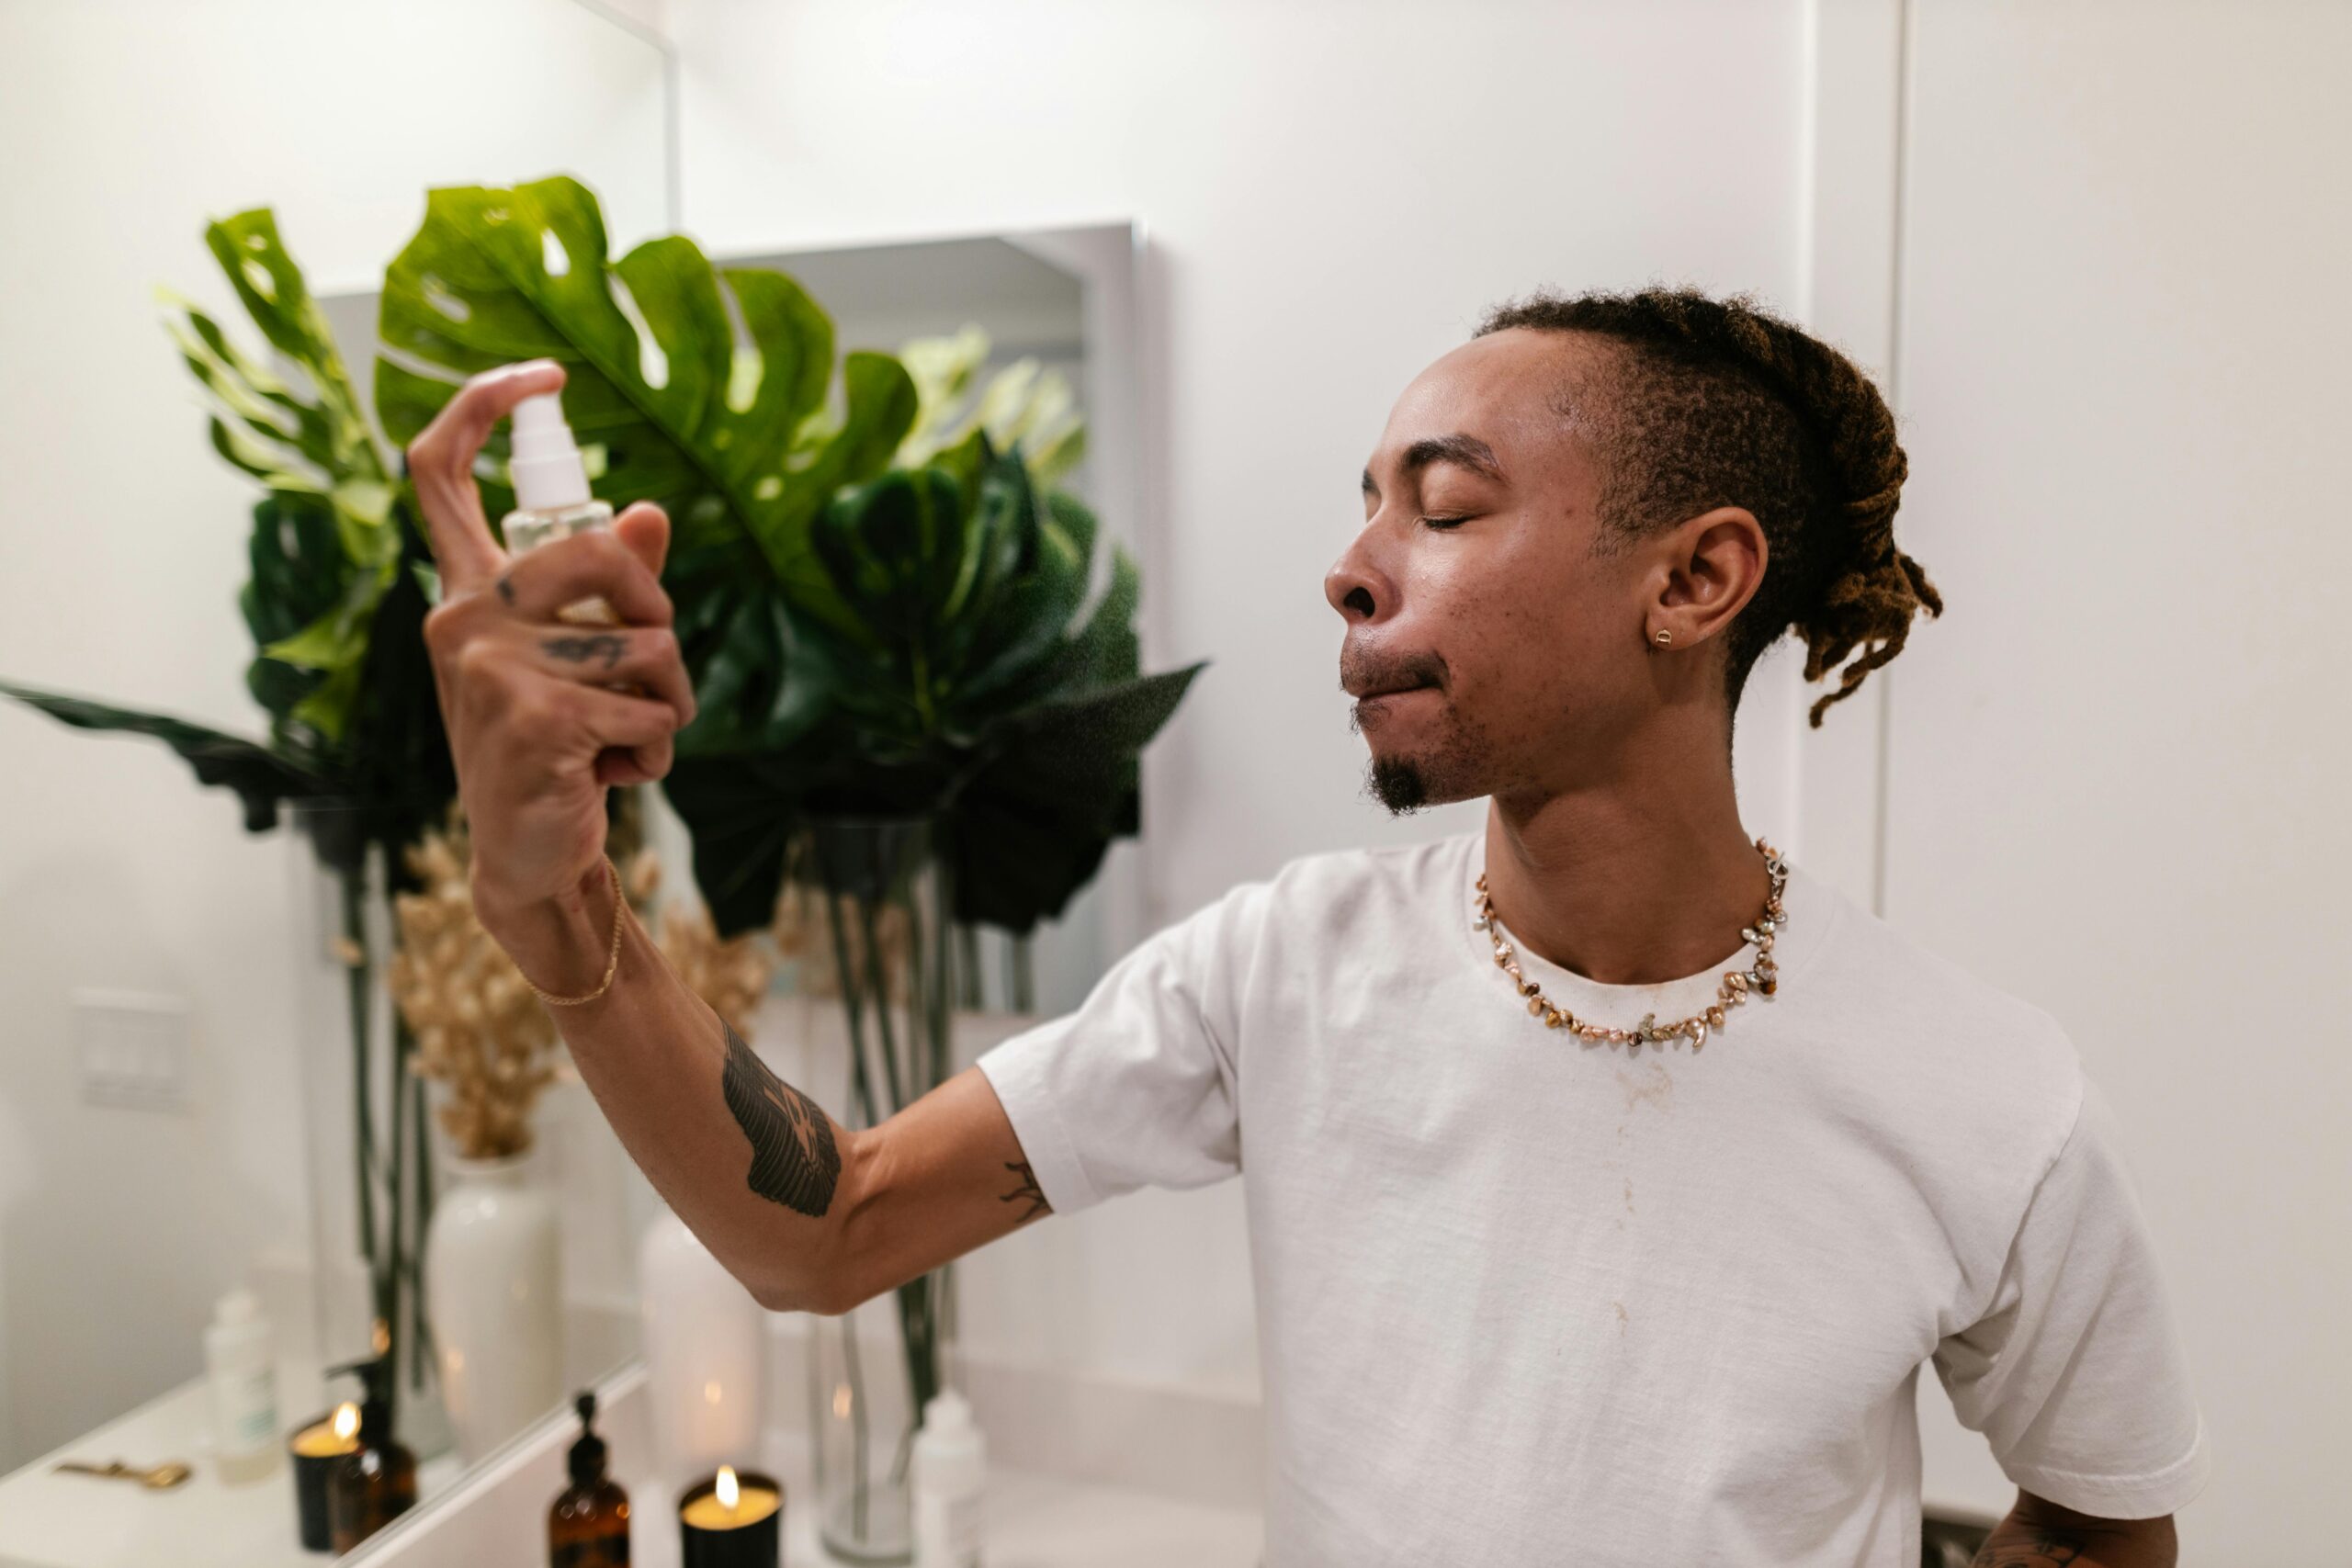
pixel 1715 564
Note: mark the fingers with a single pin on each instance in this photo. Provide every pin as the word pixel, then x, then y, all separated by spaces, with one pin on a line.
pixel 645 529
pixel 614 720
pixel 532 713
pixel 594 564
pixel 645 657
pixel 636 732
pixel 441 467
pixel 642 765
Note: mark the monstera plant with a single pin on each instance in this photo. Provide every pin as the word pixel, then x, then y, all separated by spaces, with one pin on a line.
pixel 905 641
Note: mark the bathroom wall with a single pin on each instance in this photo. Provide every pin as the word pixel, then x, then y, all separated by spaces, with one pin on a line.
pixel 2118 766
pixel 128 125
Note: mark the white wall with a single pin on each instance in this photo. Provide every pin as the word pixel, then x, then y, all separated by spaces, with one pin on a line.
pixel 128 125
pixel 1333 192
pixel 2117 765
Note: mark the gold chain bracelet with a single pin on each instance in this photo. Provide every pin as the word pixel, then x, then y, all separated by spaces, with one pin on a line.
pixel 1734 990
pixel 611 960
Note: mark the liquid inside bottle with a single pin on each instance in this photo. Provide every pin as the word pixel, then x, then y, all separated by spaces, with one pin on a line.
pixel 551 499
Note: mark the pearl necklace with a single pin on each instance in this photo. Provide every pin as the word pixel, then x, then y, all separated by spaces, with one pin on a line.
pixel 1736 983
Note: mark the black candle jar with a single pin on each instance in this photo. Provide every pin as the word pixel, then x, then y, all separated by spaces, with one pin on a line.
pixel 748 1534
pixel 313 1446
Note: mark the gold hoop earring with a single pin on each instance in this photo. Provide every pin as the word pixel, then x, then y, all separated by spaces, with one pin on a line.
pixel 1666 636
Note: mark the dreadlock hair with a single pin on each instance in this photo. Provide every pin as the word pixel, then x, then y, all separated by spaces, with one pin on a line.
pixel 1708 403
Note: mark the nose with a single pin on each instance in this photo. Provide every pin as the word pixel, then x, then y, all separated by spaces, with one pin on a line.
pixel 1355 586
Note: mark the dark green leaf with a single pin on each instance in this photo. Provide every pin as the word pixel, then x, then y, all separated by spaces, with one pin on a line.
pixel 260 777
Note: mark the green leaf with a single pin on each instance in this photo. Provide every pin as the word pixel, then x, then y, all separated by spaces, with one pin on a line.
pixel 741 813
pixel 261 777
pixel 1022 405
pixel 1030 827
pixel 325 543
pixel 325 429
pixel 680 413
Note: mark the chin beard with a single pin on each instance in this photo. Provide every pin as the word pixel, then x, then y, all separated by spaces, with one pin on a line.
pixel 1398 785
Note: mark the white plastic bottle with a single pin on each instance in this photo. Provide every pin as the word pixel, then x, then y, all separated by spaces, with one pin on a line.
pixel 240 1363
pixel 551 499
pixel 950 1464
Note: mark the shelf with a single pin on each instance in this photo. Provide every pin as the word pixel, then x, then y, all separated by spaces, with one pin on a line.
pixel 495 1512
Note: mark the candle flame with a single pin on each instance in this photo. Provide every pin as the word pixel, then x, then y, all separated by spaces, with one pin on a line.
pixel 347 1420
pixel 729 1495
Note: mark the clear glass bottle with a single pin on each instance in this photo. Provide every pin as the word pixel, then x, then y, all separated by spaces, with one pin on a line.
pixel 551 499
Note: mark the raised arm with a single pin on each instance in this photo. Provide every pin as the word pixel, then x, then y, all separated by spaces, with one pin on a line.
pixel 543 719
pixel 2038 1533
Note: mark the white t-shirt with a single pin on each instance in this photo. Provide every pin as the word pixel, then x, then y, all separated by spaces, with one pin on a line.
pixel 1524 1299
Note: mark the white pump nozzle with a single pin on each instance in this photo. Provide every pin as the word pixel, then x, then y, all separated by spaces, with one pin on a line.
pixel 545 465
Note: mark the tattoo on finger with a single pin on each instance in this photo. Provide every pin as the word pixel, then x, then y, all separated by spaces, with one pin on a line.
pixel 505 589
pixel 606 646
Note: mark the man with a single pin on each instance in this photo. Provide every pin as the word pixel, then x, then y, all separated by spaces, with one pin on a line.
pixel 1610 1177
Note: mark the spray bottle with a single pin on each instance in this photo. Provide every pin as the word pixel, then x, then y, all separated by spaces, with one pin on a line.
pixel 551 499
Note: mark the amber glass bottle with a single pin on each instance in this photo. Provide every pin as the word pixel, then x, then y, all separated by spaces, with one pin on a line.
pixel 588 1526
pixel 376 1483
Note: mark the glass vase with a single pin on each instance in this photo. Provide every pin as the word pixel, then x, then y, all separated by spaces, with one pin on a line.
pixel 882 899
pixel 364 1112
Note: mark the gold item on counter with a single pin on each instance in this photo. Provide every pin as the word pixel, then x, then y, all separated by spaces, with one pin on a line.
pixel 157 1478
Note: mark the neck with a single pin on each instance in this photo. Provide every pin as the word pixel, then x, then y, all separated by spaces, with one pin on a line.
pixel 1627 885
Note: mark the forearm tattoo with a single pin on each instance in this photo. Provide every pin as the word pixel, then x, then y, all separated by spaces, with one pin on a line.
pixel 2043 1548
pixel 1026 1193
pixel 606 646
pixel 794 1161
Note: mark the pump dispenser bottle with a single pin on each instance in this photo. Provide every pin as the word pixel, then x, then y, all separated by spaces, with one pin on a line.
pixel 375 1483
pixel 950 1469
pixel 588 1526
pixel 551 499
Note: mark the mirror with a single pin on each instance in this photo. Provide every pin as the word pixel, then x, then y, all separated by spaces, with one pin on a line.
pixel 175 1124
pixel 1027 310
pixel 308 1125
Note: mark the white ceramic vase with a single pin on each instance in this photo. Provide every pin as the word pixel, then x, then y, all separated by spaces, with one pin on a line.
pixel 493 1290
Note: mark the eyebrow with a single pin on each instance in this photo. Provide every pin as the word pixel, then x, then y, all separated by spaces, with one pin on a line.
pixel 1463 451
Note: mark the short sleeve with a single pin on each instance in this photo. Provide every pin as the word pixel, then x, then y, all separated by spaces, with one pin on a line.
pixel 1140 1085
pixel 2077 1374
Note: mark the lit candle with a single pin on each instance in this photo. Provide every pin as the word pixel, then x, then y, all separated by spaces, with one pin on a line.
pixel 731 1522
pixel 315 1448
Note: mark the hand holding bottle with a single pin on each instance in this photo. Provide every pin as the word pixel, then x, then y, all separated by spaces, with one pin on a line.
pixel 535 728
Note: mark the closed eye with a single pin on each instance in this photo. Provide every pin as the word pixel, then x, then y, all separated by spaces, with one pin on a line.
pixel 1443 521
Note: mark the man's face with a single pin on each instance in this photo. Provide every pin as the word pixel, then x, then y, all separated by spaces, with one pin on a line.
pixel 1526 648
